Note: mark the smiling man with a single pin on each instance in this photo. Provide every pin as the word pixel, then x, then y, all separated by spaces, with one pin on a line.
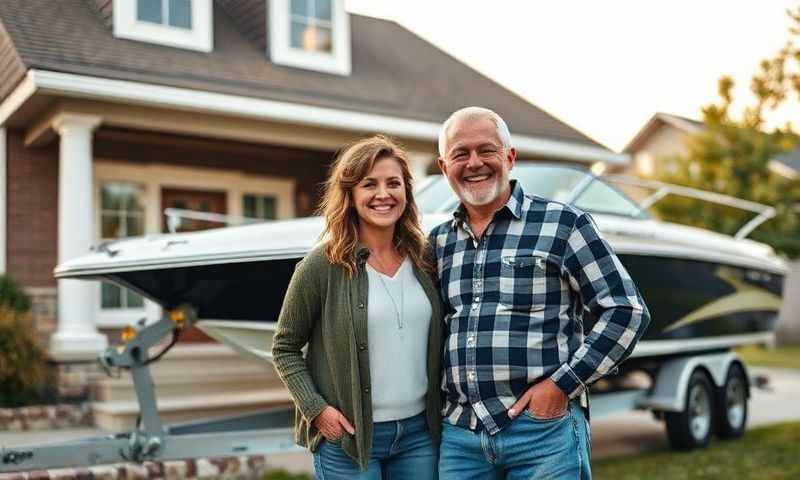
pixel 517 274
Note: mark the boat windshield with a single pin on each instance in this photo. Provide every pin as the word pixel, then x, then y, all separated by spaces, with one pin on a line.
pixel 566 184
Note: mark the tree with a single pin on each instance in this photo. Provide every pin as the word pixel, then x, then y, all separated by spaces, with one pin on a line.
pixel 732 155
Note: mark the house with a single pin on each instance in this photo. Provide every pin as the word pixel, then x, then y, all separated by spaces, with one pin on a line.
pixel 663 136
pixel 114 110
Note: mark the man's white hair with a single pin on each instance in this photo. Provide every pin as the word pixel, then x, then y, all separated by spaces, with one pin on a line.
pixel 474 113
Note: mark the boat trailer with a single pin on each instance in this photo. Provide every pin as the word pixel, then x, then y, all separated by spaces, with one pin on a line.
pixel 262 433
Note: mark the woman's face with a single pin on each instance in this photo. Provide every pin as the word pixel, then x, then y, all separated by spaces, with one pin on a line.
pixel 380 197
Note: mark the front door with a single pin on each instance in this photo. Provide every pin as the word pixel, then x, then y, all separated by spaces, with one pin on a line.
pixel 196 201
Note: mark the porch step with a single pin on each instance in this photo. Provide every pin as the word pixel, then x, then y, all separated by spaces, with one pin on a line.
pixel 191 381
pixel 118 416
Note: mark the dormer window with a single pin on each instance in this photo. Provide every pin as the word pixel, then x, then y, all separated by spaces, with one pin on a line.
pixel 176 23
pixel 310 34
pixel 173 13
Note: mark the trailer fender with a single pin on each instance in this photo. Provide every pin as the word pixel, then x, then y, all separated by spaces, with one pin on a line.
pixel 669 392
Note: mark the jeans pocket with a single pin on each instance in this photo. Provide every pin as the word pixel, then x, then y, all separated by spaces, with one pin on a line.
pixel 540 419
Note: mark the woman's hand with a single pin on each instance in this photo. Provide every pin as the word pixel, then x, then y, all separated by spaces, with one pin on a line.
pixel 332 424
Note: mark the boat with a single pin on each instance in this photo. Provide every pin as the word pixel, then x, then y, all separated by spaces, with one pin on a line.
pixel 706 291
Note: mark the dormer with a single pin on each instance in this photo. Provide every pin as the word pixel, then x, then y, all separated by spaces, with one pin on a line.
pixel 310 34
pixel 175 23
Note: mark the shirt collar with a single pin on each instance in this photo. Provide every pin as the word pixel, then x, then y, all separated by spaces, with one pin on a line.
pixel 513 206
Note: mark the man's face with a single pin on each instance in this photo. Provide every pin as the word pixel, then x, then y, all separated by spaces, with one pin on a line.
pixel 476 164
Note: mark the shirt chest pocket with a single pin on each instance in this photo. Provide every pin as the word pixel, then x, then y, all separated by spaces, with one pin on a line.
pixel 529 282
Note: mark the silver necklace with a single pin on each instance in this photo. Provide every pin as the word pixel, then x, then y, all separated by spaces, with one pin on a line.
pixel 397 311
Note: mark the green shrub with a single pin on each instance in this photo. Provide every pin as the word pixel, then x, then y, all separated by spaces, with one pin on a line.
pixel 22 361
pixel 12 295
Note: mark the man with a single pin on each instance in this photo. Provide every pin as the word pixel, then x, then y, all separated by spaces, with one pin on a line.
pixel 517 273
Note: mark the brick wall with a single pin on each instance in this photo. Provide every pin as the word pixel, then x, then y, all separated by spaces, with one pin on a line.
pixel 32 249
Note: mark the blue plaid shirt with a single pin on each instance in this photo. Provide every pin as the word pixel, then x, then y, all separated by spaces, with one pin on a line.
pixel 516 299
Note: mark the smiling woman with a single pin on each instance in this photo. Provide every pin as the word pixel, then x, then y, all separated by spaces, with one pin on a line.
pixel 360 302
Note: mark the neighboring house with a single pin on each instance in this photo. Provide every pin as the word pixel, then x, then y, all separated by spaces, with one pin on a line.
pixel 662 137
pixel 665 137
pixel 112 111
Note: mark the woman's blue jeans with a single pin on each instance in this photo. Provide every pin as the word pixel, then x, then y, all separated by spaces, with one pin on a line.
pixel 400 449
pixel 527 448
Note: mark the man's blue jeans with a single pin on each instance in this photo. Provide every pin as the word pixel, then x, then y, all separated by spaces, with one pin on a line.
pixel 400 449
pixel 527 448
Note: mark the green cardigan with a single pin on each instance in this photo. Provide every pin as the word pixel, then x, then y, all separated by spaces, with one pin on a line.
pixel 327 310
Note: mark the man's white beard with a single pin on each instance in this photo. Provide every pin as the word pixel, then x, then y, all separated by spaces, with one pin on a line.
pixel 484 197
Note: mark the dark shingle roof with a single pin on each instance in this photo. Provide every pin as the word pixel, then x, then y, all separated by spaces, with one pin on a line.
pixel 394 72
pixel 790 159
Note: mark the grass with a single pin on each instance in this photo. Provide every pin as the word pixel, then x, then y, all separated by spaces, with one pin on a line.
pixel 765 453
pixel 781 357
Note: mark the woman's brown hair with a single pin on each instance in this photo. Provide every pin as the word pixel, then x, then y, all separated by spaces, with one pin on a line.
pixel 352 164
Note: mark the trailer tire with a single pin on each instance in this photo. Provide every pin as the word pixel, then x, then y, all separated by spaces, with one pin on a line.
pixel 732 403
pixel 692 428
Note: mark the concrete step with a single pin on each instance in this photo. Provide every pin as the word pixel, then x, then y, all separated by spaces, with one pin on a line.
pixel 191 381
pixel 118 416
pixel 188 385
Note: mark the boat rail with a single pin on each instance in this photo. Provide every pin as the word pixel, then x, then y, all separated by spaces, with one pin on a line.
pixel 175 215
pixel 662 190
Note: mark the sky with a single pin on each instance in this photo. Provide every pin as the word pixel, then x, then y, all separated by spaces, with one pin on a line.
pixel 604 67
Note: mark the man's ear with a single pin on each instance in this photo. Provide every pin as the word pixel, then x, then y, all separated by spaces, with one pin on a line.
pixel 442 165
pixel 511 156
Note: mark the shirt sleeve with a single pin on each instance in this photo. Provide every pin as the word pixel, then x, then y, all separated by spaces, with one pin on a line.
pixel 298 317
pixel 605 288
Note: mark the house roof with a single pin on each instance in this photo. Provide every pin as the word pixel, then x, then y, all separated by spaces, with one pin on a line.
pixel 790 159
pixel 658 121
pixel 394 72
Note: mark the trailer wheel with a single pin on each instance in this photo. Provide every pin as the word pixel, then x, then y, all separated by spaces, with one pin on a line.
pixel 692 427
pixel 732 403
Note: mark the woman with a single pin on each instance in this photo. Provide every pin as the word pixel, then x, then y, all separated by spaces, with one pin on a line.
pixel 367 393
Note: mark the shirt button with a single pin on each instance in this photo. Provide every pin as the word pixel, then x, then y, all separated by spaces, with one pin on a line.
pixel 362 347
pixel 360 305
pixel 471 375
pixel 471 341
pixel 477 299
pixel 366 390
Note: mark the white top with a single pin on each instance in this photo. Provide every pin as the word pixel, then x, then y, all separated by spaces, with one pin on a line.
pixel 398 319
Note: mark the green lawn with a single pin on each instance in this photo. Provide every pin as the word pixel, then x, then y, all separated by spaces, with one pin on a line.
pixel 782 357
pixel 765 453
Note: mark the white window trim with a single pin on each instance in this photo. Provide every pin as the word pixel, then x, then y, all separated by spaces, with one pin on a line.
pixel 200 37
pixel 154 177
pixel 281 51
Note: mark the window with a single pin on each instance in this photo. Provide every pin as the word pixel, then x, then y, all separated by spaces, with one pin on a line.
pixel 260 206
pixel 175 13
pixel 176 23
pixel 121 215
pixel 312 34
pixel 311 27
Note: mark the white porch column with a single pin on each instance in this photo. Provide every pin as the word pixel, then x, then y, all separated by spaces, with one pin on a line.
pixel 76 337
